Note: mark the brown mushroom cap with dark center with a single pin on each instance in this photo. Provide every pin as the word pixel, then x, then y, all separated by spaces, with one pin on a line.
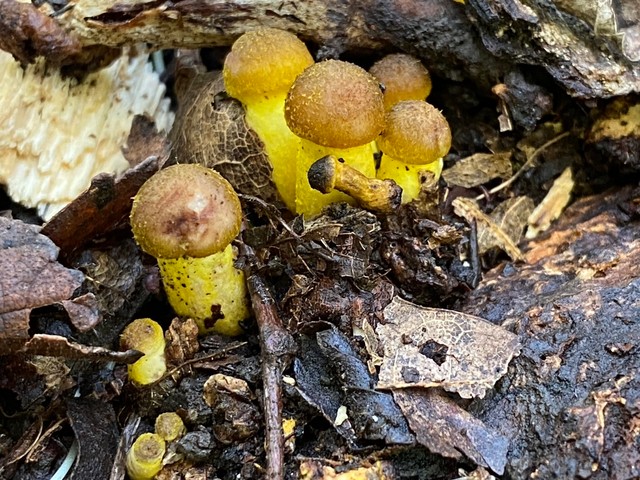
pixel 262 61
pixel 403 77
pixel 185 210
pixel 335 104
pixel 415 133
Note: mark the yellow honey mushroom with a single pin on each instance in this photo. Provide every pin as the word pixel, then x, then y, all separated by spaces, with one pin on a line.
pixel 170 426
pixel 146 336
pixel 336 108
pixel 259 70
pixel 331 173
pixel 415 138
pixel 186 216
pixel 144 458
pixel 403 78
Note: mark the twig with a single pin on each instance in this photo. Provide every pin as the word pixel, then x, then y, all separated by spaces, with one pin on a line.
pixel 277 346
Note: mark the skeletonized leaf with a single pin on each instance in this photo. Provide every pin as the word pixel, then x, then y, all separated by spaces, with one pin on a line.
pixel 478 169
pixel 428 347
pixel 511 217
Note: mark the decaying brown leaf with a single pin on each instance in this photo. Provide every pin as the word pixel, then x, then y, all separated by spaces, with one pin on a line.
pixel 446 428
pixel 511 217
pixel 553 204
pixel 468 209
pixel 478 169
pixel 210 129
pixel 30 277
pixel 428 347
pixel 99 209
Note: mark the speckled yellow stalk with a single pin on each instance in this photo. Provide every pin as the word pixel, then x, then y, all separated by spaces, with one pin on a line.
pixel 144 458
pixel 266 118
pixel 259 70
pixel 310 202
pixel 169 426
pixel 209 289
pixel 409 177
pixel 146 336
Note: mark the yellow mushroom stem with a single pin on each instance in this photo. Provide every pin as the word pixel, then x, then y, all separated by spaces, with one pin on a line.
pixel 330 173
pixel 208 289
pixel 310 201
pixel 266 118
pixel 146 336
pixel 409 177
pixel 144 458
pixel 169 426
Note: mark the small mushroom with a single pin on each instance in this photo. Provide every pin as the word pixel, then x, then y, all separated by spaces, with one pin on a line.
pixel 259 71
pixel 336 108
pixel 415 138
pixel 403 78
pixel 169 426
pixel 186 216
pixel 146 336
pixel 144 458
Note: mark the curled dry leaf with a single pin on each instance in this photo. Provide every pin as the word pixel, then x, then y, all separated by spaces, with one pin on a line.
pixel 210 129
pixel 478 169
pixel 511 217
pixel 30 277
pixel 553 204
pixel 468 209
pixel 428 347
pixel 445 428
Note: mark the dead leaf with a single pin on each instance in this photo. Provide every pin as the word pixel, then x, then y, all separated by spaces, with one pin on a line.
pixel 428 347
pixel 182 341
pixel 479 169
pixel 447 429
pixel 553 204
pixel 100 208
pixel 30 277
pixel 511 217
pixel 468 209
pixel 56 346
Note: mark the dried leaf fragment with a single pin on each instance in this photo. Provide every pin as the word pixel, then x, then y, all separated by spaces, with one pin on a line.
pixel 428 347
pixel 30 277
pixel 446 428
pixel 479 169
pixel 553 204
pixel 468 209
pixel 511 217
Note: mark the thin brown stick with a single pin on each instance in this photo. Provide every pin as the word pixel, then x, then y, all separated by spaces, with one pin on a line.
pixel 277 346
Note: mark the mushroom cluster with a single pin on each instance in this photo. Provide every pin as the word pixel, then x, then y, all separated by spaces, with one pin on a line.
pixel 304 111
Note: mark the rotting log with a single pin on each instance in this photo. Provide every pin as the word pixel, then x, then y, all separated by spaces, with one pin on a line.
pixel 570 404
pixel 591 51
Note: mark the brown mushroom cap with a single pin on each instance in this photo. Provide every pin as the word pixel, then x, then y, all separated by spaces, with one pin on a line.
pixel 415 132
pixel 404 78
pixel 263 61
pixel 335 104
pixel 185 210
